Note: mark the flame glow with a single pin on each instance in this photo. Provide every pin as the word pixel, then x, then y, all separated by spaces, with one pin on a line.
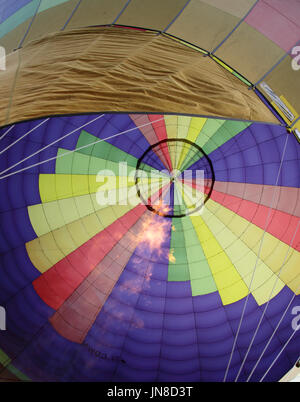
pixel 171 256
pixel 154 234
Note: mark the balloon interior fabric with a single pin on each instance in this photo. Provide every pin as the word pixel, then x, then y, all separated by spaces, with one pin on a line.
pixel 150 184
pixel 117 292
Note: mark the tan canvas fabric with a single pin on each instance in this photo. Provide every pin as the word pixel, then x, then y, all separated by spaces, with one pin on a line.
pixel 155 14
pixel 11 40
pixel 96 12
pixel 238 8
pixel 202 22
pixel 116 69
pixel 250 52
pixel 50 20
pixel 203 25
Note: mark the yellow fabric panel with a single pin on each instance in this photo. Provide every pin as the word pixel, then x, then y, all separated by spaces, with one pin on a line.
pixel 243 258
pixel 59 186
pixel 83 205
pixel 48 249
pixel 191 197
pixel 195 127
pixel 42 251
pixel 171 123
pixel 273 252
pixel 183 126
pixel 183 129
pixel 223 225
pixel 135 70
pixel 295 285
pixel 52 215
pixel 205 134
pixel 63 225
pixel 38 219
pixel 249 52
pixel 229 283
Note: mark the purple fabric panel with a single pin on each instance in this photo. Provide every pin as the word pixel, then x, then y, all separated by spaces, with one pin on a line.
pixel 16 272
pixel 10 7
pixel 135 309
pixel 149 329
pixel 161 350
pixel 254 156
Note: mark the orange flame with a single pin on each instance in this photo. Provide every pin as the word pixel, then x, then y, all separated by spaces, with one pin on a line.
pixel 171 256
pixel 153 234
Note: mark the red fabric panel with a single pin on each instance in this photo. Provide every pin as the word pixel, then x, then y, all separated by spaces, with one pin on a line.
pixel 60 281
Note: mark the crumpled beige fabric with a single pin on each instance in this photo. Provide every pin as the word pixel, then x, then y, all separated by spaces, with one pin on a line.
pixel 109 69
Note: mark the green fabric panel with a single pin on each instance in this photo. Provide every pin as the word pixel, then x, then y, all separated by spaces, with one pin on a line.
pixel 202 286
pixel 178 270
pixel 178 207
pixel 190 261
pixel 228 130
pixel 190 159
pixel 5 361
pixel 202 281
pixel 18 373
pixel 73 163
pixel 210 127
pixel 104 150
pixel 78 163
